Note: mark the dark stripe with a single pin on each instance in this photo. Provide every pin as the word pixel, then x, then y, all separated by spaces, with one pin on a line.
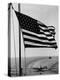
pixel 51 29
pixel 42 25
pixel 42 38
pixel 34 46
pixel 53 32
pixel 28 45
pixel 39 42
pixel 46 34
pixel 45 30
pixel 48 30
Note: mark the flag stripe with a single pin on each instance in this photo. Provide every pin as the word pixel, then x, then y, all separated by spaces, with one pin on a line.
pixel 41 24
pixel 34 38
pixel 35 46
pixel 47 29
pixel 51 29
pixel 46 33
pixel 38 35
pixel 41 38
pixel 32 43
pixel 32 46
pixel 39 42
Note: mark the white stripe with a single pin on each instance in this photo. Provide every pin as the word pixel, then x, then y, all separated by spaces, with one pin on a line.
pixel 45 32
pixel 44 28
pixel 31 43
pixel 33 38
pixel 50 27
pixel 40 22
pixel 39 35
pixel 51 31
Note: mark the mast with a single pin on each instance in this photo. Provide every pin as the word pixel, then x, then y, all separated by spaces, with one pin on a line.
pixel 20 69
pixel 9 39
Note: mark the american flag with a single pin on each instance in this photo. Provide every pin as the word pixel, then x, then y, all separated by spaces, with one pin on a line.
pixel 35 33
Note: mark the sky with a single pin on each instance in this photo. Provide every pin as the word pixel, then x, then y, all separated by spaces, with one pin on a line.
pixel 49 16
pixel 44 13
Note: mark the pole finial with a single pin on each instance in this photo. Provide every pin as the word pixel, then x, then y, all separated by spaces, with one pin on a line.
pixel 10 5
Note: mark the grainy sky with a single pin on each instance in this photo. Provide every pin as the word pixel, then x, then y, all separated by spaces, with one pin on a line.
pixel 49 16
pixel 46 14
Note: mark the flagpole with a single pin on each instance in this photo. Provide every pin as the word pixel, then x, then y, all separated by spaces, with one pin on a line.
pixel 14 42
pixel 9 39
pixel 20 71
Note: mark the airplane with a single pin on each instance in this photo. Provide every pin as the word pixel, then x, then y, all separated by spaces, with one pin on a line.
pixel 41 69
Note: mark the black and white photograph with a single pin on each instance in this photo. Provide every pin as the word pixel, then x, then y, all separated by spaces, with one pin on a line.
pixel 33 44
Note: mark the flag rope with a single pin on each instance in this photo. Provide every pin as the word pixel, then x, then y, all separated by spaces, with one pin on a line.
pixel 24 56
